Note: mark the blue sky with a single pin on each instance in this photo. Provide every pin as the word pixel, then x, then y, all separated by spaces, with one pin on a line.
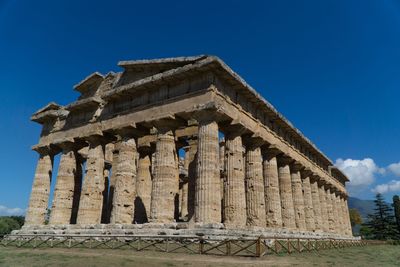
pixel 331 67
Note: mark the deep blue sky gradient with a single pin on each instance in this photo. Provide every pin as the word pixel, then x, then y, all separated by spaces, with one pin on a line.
pixel 331 67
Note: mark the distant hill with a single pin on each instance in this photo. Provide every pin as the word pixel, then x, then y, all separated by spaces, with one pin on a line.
pixel 364 207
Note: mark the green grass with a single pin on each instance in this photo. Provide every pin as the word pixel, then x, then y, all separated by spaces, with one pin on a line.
pixel 384 255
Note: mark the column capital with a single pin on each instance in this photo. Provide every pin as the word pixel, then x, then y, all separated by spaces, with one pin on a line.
pixel 44 150
pixel 170 123
pixel 296 166
pixel 70 144
pixel 270 151
pixel 283 160
pixel 307 173
pixel 253 140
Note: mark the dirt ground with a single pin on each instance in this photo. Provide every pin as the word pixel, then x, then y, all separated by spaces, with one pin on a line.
pixel 383 255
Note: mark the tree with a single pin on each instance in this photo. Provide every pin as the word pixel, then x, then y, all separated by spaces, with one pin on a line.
pixel 382 222
pixel 396 207
pixel 355 217
pixel 7 224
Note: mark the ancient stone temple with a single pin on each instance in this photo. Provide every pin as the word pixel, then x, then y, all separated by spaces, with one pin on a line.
pixel 180 144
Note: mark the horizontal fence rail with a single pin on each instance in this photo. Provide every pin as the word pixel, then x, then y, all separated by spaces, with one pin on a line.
pixel 249 247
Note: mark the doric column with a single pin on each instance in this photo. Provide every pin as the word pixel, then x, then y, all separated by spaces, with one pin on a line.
pixel 272 194
pixel 69 179
pixel 329 208
pixel 334 212
pixel 39 198
pixel 222 172
pixel 91 202
pixel 340 218
pixel 324 208
pixel 298 198
pixel 316 204
pixel 164 185
pixel 254 182
pixel 234 194
pixel 192 176
pixel 125 187
pixel 349 230
pixel 308 203
pixel 185 187
pixel 285 189
pixel 143 185
pixel 208 194
pixel 113 180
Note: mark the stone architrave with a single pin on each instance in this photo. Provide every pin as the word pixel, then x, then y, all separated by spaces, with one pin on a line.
pixel 208 196
pixel 143 186
pixel 308 203
pixel 39 198
pixel 316 203
pixel 69 173
pixel 285 189
pixel 91 202
pixel 272 193
pixel 125 187
pixel 254 182
pixel 234 194
pixel 298 198
pixel 164 185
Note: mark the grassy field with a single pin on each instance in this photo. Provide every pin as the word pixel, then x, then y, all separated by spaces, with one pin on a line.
pixel 383 255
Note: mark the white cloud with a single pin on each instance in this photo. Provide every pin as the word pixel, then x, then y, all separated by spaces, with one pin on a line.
pixel 360 172
pixel 6 211
pixel 394 168
pixel 392 186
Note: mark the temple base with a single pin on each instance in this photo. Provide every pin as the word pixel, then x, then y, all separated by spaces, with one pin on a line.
pixel 207 231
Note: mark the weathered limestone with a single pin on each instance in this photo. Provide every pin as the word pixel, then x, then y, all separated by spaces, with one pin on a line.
pixel 316 205
pixel 285 189
pixel 39 198
pixel 143 186
pixel 91 202
pixel 68 180
pixel 254 181
pixel 347 214
pixel 162 208
pixel 298 199
pixel 125 187
pixel 184 212
pixel 308 203
pixel 272 194
pixel 234 194
pixel 329 208
pixel 280 181
pixel 208 195
pixel 324 208
pixel 192 176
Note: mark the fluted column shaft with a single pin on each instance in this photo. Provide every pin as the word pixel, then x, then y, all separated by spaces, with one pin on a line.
pixel 234 189
pixel 329 207
pixel 39 198
pixel 69 173
pixel 184 212
pixel 113 180
pixel 340 218
pixel 164 185
pixel 298 199
pixel 324 208
pixel 316 206
pixel 334 212
pixel 91 203
pixel 308 204
pixel 143 187
pixel 208 195
pixel 272 194
pixel 192 177
pixel 347 218
pixel 125 186
pixel 285 188
pixel 254 182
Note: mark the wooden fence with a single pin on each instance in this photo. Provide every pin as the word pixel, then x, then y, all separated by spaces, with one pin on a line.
pixel 182 244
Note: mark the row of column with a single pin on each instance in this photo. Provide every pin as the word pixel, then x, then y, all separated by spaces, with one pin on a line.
pixel 258 187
